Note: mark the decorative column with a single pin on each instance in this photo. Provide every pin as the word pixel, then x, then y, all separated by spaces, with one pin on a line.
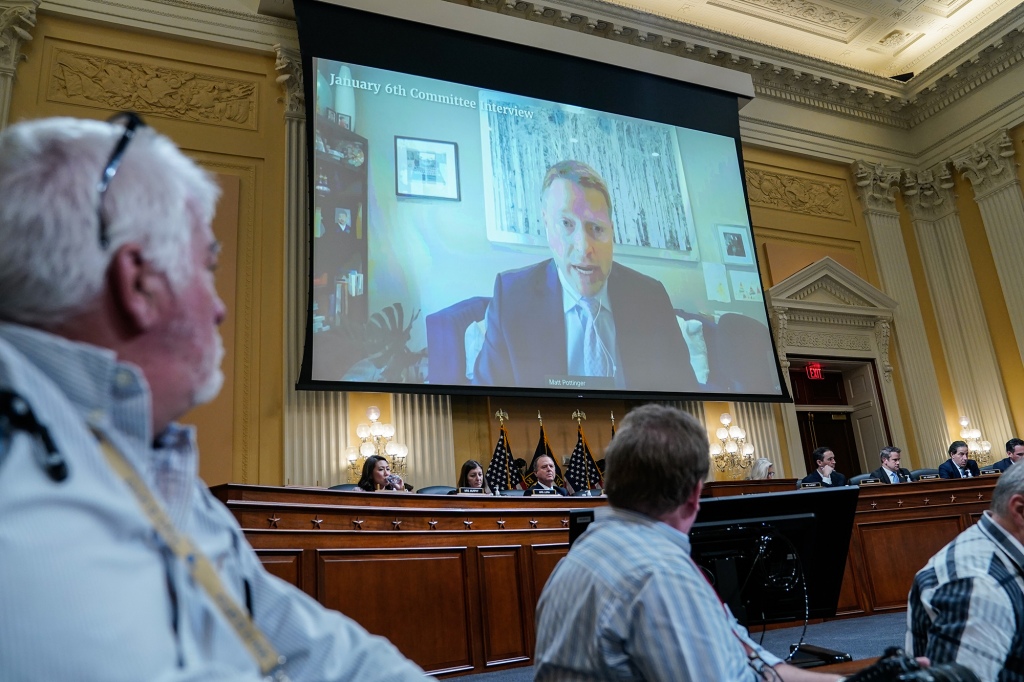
pixel 992 170
pixel 970 356
pixel 877 186
pixel 758 419
pixel 17 18
pixel 424 423
pixel 315 422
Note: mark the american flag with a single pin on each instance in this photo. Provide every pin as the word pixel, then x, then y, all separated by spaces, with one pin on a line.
pixel 583 473
pixel 502 473
pixel 544 448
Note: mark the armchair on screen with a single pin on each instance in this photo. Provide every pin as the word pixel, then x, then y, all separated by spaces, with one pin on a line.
pixel 447 333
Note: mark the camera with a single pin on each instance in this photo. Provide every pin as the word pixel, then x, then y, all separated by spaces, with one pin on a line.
pixel 896 666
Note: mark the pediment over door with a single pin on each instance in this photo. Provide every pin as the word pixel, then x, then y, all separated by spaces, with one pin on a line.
pixel 827 310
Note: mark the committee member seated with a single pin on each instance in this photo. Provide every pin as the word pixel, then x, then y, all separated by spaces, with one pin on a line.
pixel 958 465
pixel 628 602
pixel 579 314
pixel 377 476
pixel 544 469
pixel 826 473
pixel 472 476
pixel 890 471
pixel 966 605
pixel 761 470
pixel 117 564
pixel 1014 451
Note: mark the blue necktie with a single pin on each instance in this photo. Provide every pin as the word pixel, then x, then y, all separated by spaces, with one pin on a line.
pixel 595 358
pixel 895 479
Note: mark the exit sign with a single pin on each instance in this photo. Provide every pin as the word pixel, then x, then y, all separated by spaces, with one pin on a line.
pixel 813 370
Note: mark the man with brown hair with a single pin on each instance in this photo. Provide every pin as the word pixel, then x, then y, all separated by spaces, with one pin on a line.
pixel 628 602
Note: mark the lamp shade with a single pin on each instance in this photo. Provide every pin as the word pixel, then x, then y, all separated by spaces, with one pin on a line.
pixel 373 413
pixel 367 449
pixel 363 430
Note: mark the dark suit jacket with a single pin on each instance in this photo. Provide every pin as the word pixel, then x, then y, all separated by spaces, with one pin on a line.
pixel 882 474
pixel 526 338
pixel 558 489
pixel 837 479
pixel 1003 464
pixel 948 470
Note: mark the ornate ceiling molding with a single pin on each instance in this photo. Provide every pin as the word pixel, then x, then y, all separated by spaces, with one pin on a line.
pixel 780 74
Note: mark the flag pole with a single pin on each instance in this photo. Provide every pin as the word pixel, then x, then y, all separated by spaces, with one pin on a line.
pixel 501 415
pixel 579 416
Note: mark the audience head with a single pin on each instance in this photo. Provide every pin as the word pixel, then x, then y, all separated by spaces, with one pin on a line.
pixel 823 457
pixel 958 453
pixel 129 268
pixel 472 475
pixel 576 210
pixel 761 469
pixel 656 461
pixel 890 457
pixel 544 468
pixel 375 473
pixel 1015 449
pixel 1008 501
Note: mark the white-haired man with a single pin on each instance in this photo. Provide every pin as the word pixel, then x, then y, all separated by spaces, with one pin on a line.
pixel 116 562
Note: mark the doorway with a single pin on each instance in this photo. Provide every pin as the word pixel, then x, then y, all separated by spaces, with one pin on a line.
pixel 838 406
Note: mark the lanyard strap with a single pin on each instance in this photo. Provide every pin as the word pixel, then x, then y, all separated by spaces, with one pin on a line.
pixel 199 566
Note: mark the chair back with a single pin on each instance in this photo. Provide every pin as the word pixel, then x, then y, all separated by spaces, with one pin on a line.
pixel 512 492
pixel 863 479
pixel 435 490
pixel 345 487
pixel 923 474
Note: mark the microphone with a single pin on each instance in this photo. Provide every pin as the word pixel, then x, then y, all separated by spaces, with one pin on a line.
pixel 17 415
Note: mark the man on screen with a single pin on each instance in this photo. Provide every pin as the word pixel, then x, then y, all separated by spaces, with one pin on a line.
pixel 579 314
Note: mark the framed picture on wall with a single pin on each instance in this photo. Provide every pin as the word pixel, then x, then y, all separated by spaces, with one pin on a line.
pixel 332 116
pixel 426 168
pixel 734 243
pixel 345 121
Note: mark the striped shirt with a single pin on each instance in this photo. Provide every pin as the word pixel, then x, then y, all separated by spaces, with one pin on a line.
pixel 628 603
pixel 967 604
pixel 90 592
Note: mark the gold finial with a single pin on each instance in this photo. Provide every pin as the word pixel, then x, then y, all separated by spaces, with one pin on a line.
pixel 579 416
pixel 539 418
pixel 613 419
pixel 501 416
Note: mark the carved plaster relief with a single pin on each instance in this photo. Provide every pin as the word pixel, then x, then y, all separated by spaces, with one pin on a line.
pixel 147 88
pixel 804 15
pixel 796 194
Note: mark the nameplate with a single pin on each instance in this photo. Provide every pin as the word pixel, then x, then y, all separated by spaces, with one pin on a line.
pixel 544 491
pixel 870 481
pixel 471 491
pixel 927 477
pixel 990 472
pixel 810 485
